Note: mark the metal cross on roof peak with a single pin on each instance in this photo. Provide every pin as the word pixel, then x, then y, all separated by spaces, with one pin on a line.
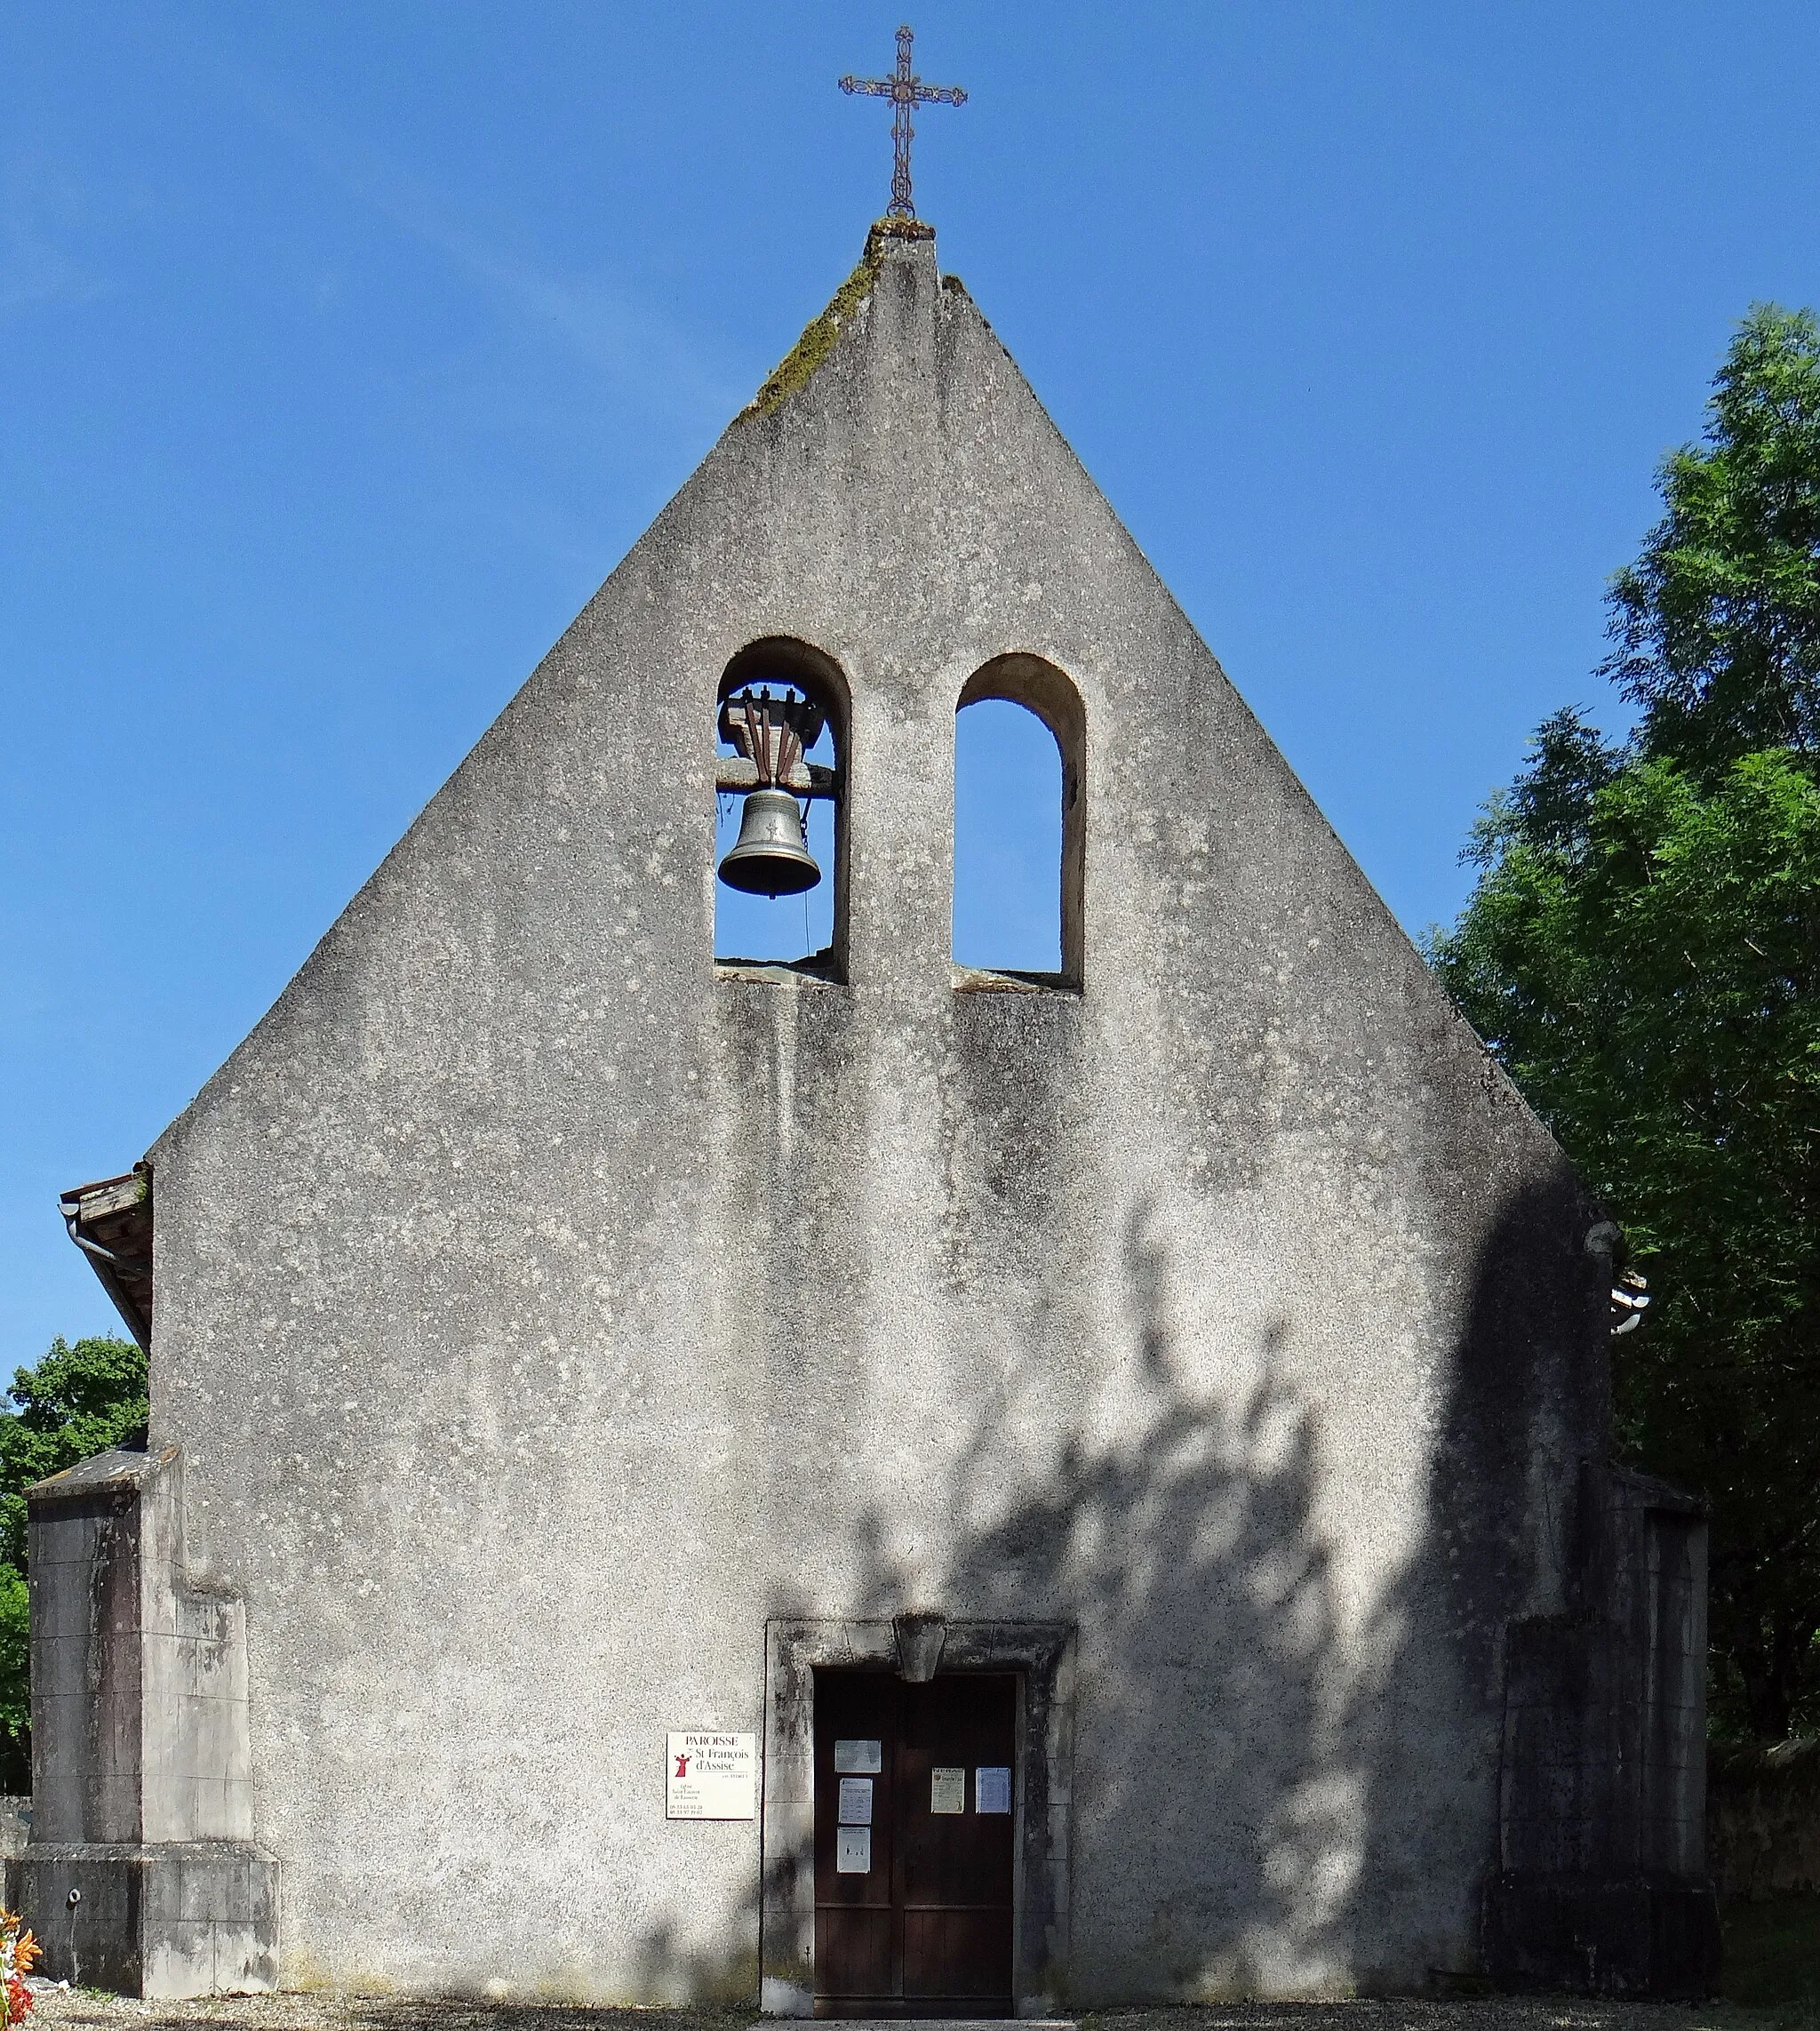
pixel 904 91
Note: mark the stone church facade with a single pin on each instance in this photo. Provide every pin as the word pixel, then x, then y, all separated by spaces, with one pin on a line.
pixel 1161 1406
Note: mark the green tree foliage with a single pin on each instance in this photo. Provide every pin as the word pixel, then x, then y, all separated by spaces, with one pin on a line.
pixel 1717 625
pixel 1642 953
pixel 77 1402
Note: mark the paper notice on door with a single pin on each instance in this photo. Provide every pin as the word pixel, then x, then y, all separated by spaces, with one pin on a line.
pixel 856 1802
pixel 853 1851
pixel 992 1788
pixel 948 1789
pixel 864 1759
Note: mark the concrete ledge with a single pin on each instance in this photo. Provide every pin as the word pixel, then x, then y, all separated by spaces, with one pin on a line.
pixel 171 1919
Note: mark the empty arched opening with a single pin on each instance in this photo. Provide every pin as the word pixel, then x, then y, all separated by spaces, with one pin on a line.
pixel 788 704
pixel 1019 830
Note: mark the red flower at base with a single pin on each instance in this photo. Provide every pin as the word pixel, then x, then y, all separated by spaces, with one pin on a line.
pixel 17 1951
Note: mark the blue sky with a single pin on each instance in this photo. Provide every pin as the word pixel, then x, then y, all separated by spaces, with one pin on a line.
pixel 345 349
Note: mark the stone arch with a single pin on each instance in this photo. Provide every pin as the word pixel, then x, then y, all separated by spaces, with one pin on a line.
pixel 784 660
pixel 1049 694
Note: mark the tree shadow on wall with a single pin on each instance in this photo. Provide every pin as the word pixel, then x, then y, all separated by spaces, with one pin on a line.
pixel 1286 1777
pixel 1289 1758
pixel 1221 1691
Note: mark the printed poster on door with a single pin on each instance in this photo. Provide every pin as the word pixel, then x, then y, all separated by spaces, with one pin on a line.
pixel 712 1775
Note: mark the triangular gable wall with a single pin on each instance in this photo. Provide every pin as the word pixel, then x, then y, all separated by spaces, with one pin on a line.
pixel 1232 1309
pixel 898 484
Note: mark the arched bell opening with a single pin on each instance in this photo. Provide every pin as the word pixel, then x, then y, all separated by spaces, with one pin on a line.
pixel 1020 737
pixel 781 717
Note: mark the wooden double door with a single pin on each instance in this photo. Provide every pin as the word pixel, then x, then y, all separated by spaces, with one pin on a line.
pixel 914 1844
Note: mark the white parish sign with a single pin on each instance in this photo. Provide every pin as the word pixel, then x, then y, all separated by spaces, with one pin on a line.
pixel 712 1775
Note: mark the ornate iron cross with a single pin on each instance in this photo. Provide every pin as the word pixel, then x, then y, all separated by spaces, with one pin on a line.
pixel 904 91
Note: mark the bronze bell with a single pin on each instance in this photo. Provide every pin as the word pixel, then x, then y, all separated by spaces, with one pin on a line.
pixel 770 857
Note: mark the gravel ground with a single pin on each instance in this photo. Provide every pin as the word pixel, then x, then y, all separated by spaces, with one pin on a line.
pixel 83 2010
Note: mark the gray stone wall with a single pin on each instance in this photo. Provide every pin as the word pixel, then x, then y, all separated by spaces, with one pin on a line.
pixel 1763 1819
pixel 542 1311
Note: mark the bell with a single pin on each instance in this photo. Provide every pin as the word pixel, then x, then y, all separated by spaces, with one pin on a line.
pixel 770 857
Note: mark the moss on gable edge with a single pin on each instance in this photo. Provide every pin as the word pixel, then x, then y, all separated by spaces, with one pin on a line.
pixel 818 341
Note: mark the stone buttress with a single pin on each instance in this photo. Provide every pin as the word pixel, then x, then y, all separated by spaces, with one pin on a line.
pixel 141 1873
